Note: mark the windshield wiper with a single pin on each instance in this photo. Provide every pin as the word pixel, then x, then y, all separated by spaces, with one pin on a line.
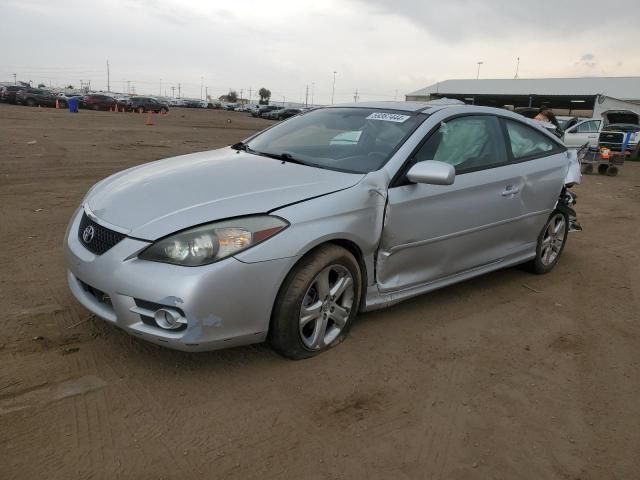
pixel 283 157
pixel 241 146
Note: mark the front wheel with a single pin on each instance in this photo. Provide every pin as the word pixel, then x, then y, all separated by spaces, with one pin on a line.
pixel 317 303
pixel 551 243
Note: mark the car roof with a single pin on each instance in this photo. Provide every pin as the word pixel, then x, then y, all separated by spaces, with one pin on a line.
pixel 432 107
pixel 404 106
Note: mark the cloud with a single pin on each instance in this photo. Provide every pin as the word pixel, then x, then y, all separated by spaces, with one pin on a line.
pixel 587 61
pixel 376 46
pixel 458 20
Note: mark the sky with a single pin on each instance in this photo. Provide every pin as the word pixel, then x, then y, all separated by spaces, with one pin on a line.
pixel 381 49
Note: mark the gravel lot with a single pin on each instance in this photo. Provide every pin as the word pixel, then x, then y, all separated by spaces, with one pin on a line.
pixel 508 376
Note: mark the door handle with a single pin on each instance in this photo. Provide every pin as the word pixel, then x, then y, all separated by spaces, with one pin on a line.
pixel 592 136
pixel 510 190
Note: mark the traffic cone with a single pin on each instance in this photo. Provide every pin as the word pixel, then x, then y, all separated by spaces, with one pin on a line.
pixel 39 108
pixel 149 119
pixel 57 104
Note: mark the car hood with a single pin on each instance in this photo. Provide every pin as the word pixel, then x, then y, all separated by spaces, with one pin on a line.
pixel 621 117
pixel 159 198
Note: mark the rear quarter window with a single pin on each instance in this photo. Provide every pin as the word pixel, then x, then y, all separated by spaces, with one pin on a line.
pixel 525 142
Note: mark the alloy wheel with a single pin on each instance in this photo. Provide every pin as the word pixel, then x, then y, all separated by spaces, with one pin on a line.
pixel 326 307
pixel 553 239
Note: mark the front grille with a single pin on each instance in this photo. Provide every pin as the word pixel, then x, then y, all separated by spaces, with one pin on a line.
pixel 97 238
pixel 612 140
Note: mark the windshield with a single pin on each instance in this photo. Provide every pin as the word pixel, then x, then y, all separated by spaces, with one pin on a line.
pixel 357 140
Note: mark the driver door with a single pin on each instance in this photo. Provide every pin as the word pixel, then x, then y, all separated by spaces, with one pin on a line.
pixel 435 231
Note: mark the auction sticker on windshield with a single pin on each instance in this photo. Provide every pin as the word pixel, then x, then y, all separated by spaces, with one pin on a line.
pixel 388 117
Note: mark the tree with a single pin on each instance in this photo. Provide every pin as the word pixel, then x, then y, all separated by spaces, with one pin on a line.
pixel 265 95
pixel 69 87
pixel 41 85
pixel 231 97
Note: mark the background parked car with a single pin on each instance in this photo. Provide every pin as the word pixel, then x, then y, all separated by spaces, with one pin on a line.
pixel 193 103
pixel 8 93
pixel 264 109
pixel 272 114
pixel 608 131
pixel 98 102
pixel 146 104
pixel 32 97
pixel 229 106
pixel 288 113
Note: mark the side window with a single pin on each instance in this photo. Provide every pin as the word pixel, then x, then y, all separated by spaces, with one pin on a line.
pixel 526 142
pixel 589 127
pixel 472 142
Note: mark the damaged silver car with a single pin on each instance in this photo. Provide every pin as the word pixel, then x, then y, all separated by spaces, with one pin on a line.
pixel 288 235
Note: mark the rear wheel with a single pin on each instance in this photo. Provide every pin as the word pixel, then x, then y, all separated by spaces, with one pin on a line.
pixel 30 102
pixel 317 303
pixel 551 242
pixel 602 169
pixel 612 171
pixel 164 110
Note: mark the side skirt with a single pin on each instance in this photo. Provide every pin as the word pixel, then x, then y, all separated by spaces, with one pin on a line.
pixel 376 299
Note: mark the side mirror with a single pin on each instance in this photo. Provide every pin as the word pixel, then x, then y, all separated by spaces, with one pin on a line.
pixel 432 172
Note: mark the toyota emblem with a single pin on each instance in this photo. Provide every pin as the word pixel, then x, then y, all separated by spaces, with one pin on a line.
pixel 88 234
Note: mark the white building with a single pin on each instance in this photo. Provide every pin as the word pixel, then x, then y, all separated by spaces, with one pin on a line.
pixel 572 94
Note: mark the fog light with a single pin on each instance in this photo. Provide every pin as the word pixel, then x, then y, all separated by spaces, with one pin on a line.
pixel 169 319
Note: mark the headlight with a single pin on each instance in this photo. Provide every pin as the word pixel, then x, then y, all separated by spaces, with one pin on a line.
pixel 213 242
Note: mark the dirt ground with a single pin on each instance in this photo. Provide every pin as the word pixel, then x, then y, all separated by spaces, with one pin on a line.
pixel 508 376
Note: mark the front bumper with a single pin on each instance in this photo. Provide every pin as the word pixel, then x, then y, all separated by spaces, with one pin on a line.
pixel 227 303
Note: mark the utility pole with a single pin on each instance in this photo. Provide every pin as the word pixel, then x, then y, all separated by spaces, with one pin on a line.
pixel 241 92
pixel 478 75
pixel 173 91
pixel 283 101
pixel 128 86
pixel 517 68
pixel 15 82
pixel 333 89
pixel 306 97
pixel 179 90
pixel 108 78
pixel 355 96
pixel 201 86
pixel 160 91
pixel 206 93
pixel 250 95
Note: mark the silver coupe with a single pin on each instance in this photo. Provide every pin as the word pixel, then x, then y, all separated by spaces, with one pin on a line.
pixel 287 235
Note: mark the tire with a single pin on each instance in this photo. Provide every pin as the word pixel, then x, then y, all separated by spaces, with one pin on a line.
pixel 612 171
pixel 316 304
pixel 164 110
pixel 602 169
pixel 30 102
pixel 544 261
